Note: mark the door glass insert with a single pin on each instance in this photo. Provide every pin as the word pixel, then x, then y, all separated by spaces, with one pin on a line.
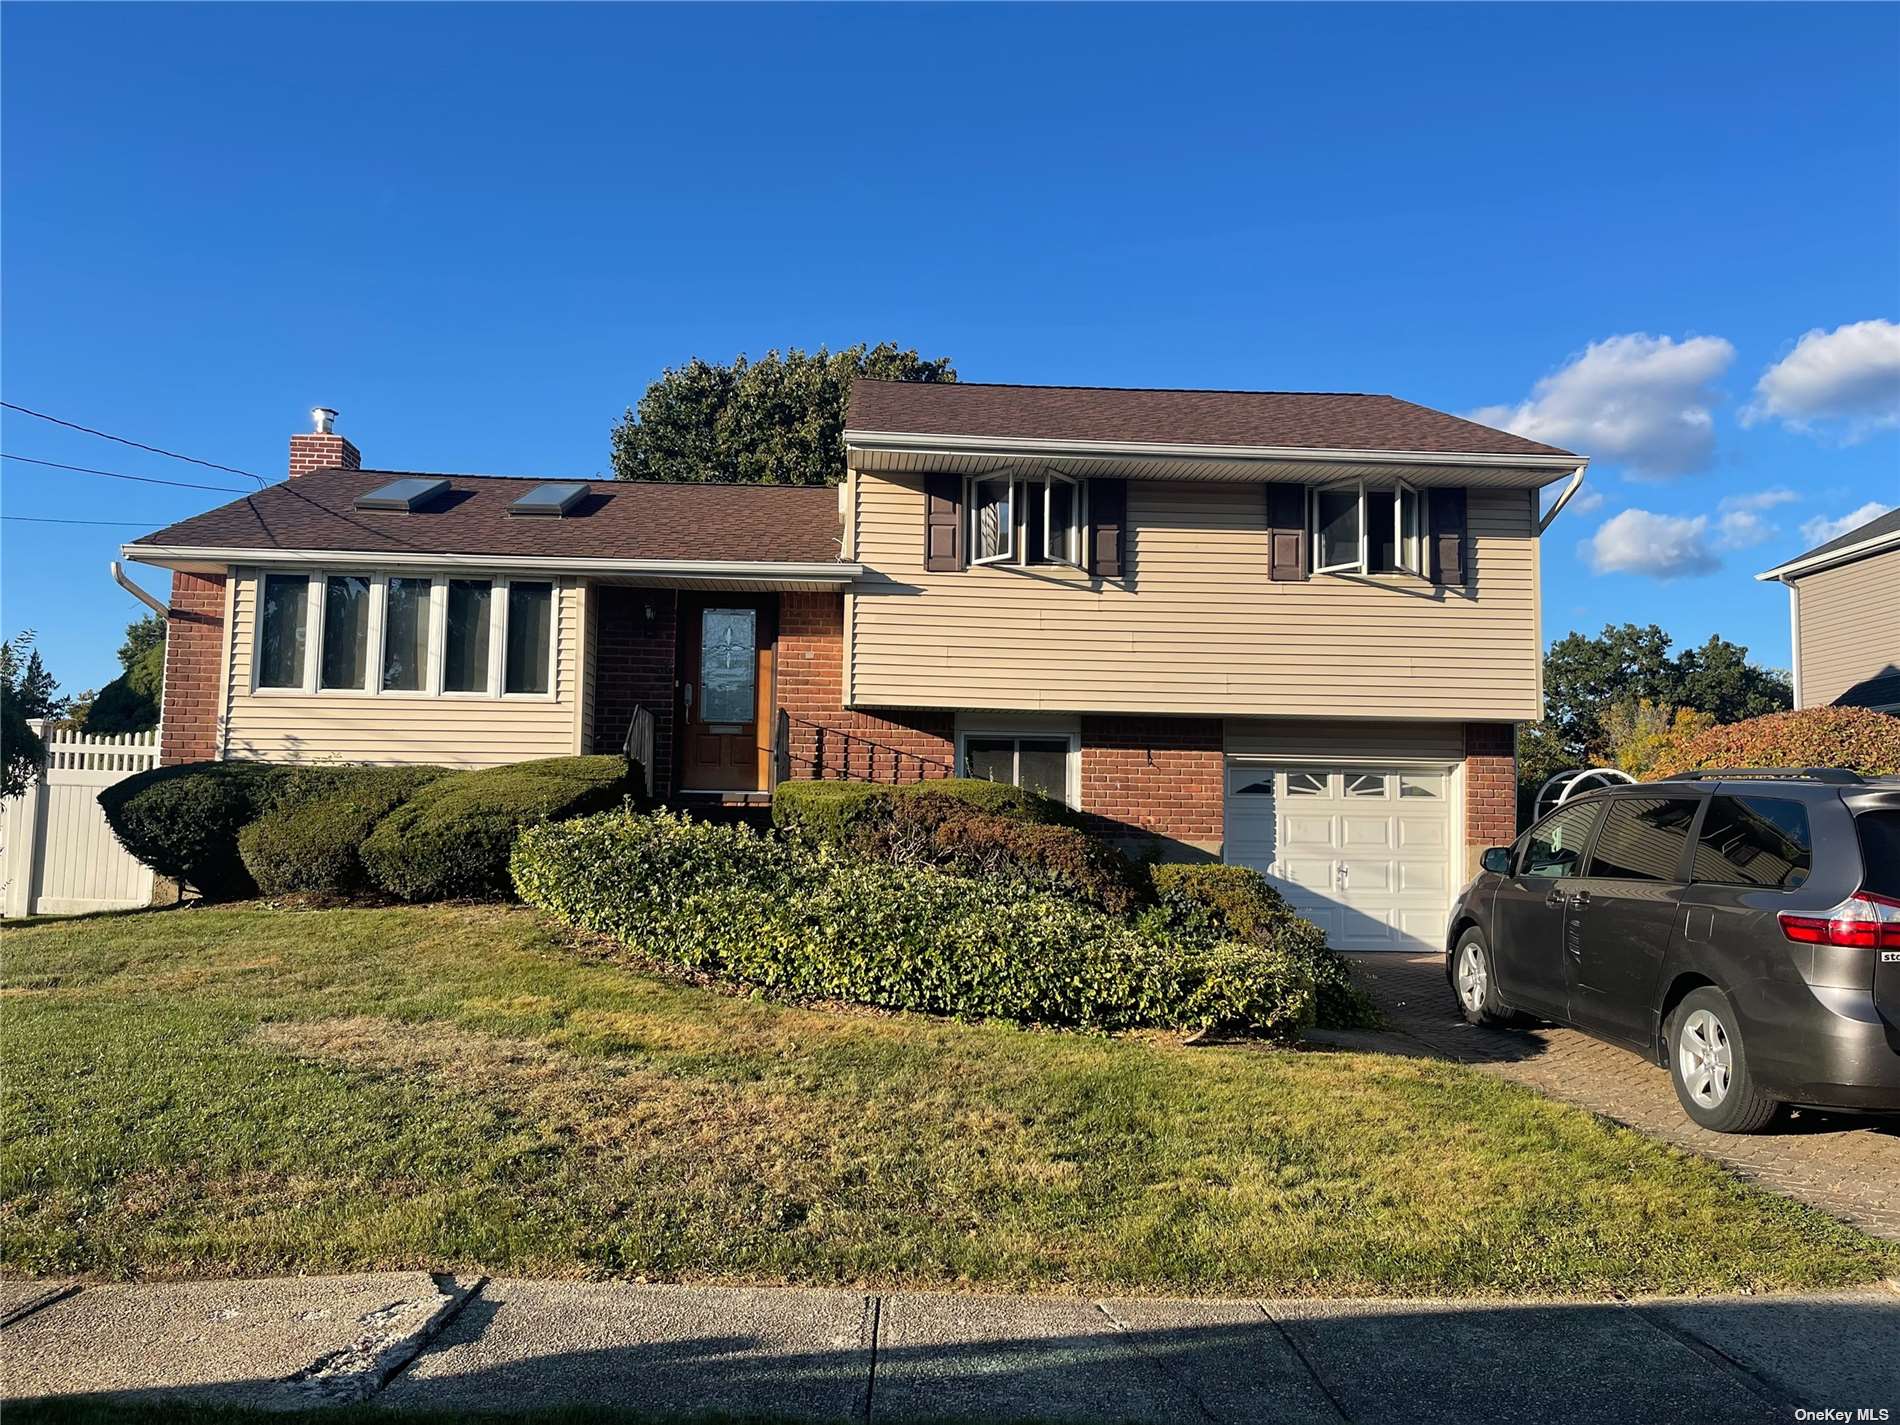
pixel 1365 784
pixel 728 665
pixel 1421 785
pixel 1306 784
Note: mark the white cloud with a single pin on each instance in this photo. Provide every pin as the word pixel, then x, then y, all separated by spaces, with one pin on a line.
pixel 1642 542
pixel 1645 401
pixel 1821 529
pixel 1847 380
pixel 1760 499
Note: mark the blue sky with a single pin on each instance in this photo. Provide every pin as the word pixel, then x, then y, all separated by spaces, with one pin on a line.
pixel 480 231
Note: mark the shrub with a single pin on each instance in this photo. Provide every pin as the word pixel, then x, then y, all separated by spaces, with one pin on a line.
pixel 453 837
pixel 838 812
pixel 954 836
pixel 313 847
pixel 1858 739
pixel 797 919
pixel 183 821
pixel 1205 904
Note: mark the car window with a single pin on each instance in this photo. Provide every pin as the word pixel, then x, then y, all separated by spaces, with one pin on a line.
pixel 1643 839
pixel 1879 851
pixel 1755 841
pixel 1555 846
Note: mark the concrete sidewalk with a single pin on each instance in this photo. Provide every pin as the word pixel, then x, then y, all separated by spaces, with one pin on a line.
pixel 410 1340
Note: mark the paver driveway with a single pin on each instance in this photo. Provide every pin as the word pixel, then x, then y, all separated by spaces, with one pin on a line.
pixel 1845 1164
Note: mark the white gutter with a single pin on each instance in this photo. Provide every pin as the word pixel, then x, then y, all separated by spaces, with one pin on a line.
pixel 1023 446
pixel 119 578
pixel 1576 484
pixel 1812 563
pixel 818 572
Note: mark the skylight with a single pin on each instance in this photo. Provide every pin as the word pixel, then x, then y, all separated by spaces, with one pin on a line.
pixel 402 494
pixel 552 500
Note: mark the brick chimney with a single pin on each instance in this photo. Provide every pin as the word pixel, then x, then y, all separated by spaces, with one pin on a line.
pixel 322 448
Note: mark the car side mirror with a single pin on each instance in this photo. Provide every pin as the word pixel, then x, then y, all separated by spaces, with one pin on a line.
pixel 1497 859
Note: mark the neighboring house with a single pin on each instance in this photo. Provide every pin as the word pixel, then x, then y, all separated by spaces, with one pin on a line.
pixel 1844 605
pixel 1292 630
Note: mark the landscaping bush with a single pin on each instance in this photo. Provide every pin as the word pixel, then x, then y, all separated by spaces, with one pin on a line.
pixel 183 821
pixel 796 918
pixel 1207 904
pixel 838 812
pixel 452 838
pixel 955 836
pixel 1858 739
pixel 313 847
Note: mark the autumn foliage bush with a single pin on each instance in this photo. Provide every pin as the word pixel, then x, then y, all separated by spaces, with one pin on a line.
pixel 1858 739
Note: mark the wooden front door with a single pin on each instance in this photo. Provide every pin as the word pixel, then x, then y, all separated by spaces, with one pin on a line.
pixel 726 693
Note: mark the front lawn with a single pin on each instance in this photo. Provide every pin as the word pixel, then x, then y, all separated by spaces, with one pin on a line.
pixel 250 1091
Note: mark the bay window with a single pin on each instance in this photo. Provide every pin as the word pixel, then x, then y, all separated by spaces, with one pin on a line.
pixel 418 635
pixel 1359 529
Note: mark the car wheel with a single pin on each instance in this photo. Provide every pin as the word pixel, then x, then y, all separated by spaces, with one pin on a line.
pixel 1709 1064
pixel 1474 983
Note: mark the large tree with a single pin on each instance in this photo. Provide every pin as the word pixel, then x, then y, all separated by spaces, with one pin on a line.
pixel 24 673
pixel 130 702
pixel 775 421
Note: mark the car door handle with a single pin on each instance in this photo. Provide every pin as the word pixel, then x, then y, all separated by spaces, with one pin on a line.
pixel 1579 900
pixel 1555 900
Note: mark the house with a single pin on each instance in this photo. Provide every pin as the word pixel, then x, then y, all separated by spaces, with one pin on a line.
pixel 1844 608
pixel 1291 630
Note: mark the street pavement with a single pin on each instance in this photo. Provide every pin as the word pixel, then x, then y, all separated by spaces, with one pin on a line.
pixel 404 1341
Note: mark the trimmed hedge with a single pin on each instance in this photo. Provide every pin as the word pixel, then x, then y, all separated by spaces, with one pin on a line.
pixel 1204 903
pixel 453 837
pixel 955 836
pixel 314 847
pixel 793 918
pixel 838 812
pixel 183 821
pixel 1858 739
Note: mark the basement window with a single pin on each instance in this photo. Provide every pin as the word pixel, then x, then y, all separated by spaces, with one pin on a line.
pixel 1036 761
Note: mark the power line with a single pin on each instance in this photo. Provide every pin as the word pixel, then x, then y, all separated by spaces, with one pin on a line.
pixel 135 444
pixel 116 475
pixel 47 519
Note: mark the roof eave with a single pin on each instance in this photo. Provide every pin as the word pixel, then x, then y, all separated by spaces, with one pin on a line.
pixel 1815 563
pixel 783 573
pixel 934 443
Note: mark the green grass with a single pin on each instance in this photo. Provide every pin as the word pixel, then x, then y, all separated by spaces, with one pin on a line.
pixel 250 1091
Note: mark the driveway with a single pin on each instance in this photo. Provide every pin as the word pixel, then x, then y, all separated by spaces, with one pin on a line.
pixel 1847 1165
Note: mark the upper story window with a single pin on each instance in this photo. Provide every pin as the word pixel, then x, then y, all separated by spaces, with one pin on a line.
pixel 1039 520
pixel 1366 529
pixel 419 635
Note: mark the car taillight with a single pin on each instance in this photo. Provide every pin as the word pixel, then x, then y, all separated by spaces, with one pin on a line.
pixel 1864 921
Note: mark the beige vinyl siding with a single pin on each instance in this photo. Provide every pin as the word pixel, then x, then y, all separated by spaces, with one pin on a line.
pixel 1196 626
pixel 1850 626
pixel 391 730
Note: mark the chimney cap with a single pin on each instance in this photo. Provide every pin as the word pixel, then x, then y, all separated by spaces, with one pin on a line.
pixel 323 420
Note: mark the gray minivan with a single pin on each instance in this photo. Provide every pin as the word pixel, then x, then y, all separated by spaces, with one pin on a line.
pixel 1740 927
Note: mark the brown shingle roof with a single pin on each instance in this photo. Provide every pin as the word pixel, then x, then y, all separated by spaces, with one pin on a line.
pixel 619 519
pixel 1294 419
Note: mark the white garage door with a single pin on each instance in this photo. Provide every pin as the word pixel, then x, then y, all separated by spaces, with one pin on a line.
pixel 1363 852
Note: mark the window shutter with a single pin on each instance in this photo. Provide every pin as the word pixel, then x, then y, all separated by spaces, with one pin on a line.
pixel 1108 517
pixel 1286 532
pixel 943 523
pixel 1447 531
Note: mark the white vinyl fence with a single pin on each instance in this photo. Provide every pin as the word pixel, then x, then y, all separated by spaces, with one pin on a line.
pixel 59 857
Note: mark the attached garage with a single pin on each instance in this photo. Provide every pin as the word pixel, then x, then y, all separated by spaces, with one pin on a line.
pixel 1358 832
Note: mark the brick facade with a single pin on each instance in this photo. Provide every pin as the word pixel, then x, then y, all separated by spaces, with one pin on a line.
pixel 194 670
pixel 1490 786
pixel 322 452
pixel 634 667
pixel 824 739
pixel 1155 779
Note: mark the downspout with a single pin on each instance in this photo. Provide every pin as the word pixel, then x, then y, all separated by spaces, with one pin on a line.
pixel 119 578
pixel 1576 484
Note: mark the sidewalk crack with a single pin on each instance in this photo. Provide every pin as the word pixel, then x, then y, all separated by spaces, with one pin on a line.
pixel 1299 1351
